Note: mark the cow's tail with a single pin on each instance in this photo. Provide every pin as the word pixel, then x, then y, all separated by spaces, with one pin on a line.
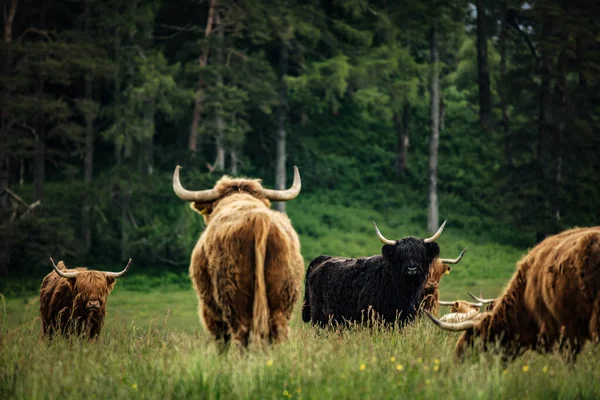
pixel 260 309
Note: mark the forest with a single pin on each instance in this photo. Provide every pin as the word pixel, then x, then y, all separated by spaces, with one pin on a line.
pixel 482 112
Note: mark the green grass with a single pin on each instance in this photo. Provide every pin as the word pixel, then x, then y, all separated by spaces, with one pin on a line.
pixel 153 345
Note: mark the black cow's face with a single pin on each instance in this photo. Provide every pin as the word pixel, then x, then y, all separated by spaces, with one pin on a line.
pixel 412 256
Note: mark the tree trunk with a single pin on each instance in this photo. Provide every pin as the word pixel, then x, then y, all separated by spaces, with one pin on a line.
pixel 282 108
pixel 9 19
pixel 401 124
pixel 234 161
pixel 561 92
pixel 544 118
pixel 86 214
pixel 502 89
pixel 219 163
pixel 432 215
pixel 483 74
pixel 199 97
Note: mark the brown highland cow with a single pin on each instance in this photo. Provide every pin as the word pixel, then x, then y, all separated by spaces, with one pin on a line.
pixel 246 267
pixel 536 311
pixel 73 301
pixel 431 292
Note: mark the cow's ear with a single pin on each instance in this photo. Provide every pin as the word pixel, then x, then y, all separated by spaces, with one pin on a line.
pixel 110 283
pixel 388 251
pixel 202 208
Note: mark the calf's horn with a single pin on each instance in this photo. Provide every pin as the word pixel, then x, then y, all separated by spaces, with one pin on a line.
pixel 436 235
pixel 381 237
pixel 483 301
pixel 453 260
pixel 62 273
pixel 454 327
pixel 200 196
pixel 288 194
pixel 118 274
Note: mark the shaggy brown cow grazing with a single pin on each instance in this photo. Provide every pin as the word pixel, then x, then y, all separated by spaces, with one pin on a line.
pixel 246 267
pixel 73 301
pixel 461 306
pixel 431 292
pixel 536 310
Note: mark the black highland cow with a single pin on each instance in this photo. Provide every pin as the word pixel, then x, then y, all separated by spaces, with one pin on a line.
pixel 386 287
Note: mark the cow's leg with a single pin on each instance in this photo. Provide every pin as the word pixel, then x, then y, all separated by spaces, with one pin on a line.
pixel 213 322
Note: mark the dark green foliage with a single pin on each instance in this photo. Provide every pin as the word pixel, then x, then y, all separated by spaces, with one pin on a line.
pixel 355 69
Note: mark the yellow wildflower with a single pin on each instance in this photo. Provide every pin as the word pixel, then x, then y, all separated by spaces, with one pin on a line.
pixel 392 359
pixel 437 361
pixel 427 381
pixel 545 369
pixel 505 372
pixel 525 368
pixel 436 367
pixel 269 363
pixel 420 359
pixel 363 367
pixel 399 367
pixel 299 390
pixel 134 386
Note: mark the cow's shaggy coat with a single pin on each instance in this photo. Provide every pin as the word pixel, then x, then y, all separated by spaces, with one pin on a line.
pixel 386 287
pixel 430 299
pixel 246 267
pixel 553 298
pixel 74 305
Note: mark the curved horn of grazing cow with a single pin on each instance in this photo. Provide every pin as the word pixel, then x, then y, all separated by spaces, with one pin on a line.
pixel 381 237
pixel 61 273
pixel 436 235
pixel 118 274
pixel 454 327
pixel 288 194
pixel 451 303
pixel 200 196
pixel 483 301
pixel 453 260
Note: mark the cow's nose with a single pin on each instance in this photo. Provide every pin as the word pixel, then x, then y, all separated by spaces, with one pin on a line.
pixel 93 304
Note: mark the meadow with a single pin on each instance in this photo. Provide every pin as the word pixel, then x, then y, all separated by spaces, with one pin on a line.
pixel 153 345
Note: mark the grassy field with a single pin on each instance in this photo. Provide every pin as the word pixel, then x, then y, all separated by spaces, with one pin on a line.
pixel 154 347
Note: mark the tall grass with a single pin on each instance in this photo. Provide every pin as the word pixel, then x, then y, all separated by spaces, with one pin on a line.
pixel 161 363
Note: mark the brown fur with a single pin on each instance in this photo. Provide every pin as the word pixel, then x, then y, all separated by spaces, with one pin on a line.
pixel 553 298
pixel 431 291
pixel 63 302
pixel 246 267
pixel 461 306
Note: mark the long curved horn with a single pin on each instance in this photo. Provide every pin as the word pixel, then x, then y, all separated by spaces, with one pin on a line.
pixel 381 237
pixel 451 303
pixel 454 327
pixel 436 235
pixel 118 274
pixel 288 194
pixel 484 301
pixel 453 260
pixel 446 303
pixel 200 196
pixel 67 275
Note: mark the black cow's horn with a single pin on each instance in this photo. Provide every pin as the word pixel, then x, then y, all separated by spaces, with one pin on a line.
pixel 453 260
pixel 288 194
pixel 381 237
pixel 436 235
pixel 483 301
pixel 454 327
pixel 118 274
pixel 199 196
pixel 61 273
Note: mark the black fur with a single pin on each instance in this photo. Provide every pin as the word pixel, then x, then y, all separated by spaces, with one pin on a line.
pixel 387 287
